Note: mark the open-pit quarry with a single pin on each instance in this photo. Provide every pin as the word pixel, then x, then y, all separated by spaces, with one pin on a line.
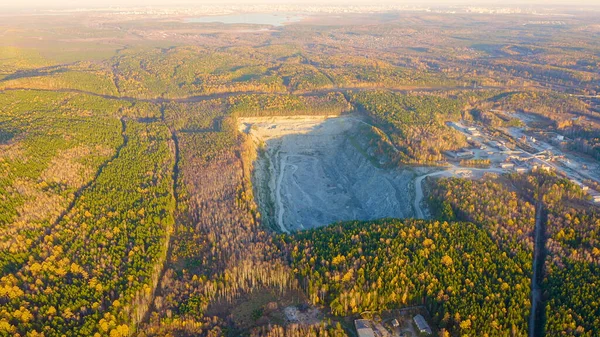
pixel 315 170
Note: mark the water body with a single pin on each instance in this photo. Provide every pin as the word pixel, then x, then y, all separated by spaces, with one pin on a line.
pixel 251 18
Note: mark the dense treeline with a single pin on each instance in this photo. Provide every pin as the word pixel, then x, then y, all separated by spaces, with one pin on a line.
pixel 333 103
pixel 191 71
pixel 361 72
pixel 488 202
pixel 83 77
pixel 573 250
pixel 95 272
pixel 204 116
pixel 49 152
pixel 585 140
pixel 572 225
pixel 469 285
pixel 208 115
pixel 573 308
pixel 573 262
pixel 303 77
pixel 547 75
pixel 416 124
pixel 19 59
pixel 560 108
pixel 219 251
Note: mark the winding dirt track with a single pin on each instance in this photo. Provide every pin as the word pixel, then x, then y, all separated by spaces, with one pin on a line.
pixel 280 209
pixel 419 211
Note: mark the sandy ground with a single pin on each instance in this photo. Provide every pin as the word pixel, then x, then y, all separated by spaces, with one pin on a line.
pixel 309 317
pixel 312 174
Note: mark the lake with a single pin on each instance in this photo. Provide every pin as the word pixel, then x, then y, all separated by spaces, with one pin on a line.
pixel 251 18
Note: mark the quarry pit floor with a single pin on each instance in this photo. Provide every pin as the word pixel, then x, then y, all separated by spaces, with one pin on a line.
pixel 316 170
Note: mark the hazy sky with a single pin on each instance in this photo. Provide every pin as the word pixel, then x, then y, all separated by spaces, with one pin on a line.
pixel 125 3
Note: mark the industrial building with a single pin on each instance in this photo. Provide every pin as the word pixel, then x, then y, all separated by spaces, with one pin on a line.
pixel 363 328
pixel 520 169
pixel 463 154
pixel 422 324
pixel 473 132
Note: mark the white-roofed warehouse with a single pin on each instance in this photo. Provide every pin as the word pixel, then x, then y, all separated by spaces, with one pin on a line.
pixel 363 327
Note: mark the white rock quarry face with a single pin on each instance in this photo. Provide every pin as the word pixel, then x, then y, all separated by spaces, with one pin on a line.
pixel 315 175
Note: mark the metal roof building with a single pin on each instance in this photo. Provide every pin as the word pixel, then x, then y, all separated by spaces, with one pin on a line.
pixel 363 327
pixel 422 324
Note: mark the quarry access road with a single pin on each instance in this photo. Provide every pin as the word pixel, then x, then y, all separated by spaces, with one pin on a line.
pixel 454 170
pixel 280 208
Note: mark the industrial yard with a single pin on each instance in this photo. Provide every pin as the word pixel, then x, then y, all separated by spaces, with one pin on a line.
pixel 521 149
pixel 406 322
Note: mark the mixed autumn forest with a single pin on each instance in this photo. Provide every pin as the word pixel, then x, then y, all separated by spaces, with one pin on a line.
pixel 128 192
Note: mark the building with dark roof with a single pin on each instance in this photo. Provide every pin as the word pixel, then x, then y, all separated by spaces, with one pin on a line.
pixel 422 324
